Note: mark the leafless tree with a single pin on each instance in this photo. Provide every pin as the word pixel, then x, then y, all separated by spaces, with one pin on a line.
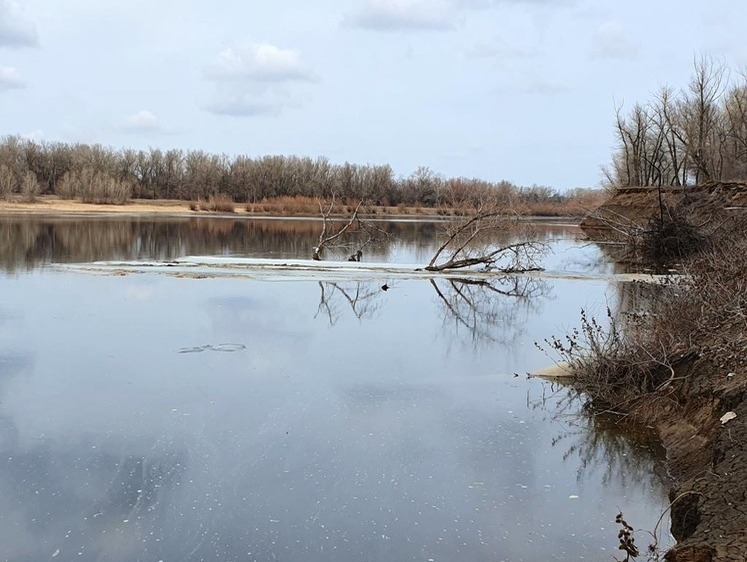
pixel 194 175
pixel 7 181
pixel 696 135
pixel 30 187
pixel 353 236
pixel 474 241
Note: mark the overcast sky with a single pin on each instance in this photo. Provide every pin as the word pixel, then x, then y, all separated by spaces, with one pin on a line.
pixel 522 90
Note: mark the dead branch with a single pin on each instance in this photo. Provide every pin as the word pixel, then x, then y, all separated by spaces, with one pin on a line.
pixel 326 239
pixel 470 243
pixel 352 238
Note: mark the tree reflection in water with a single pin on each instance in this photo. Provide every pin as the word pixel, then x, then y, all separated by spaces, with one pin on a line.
pixel 605 443
pixel 362 297
pixel 492 310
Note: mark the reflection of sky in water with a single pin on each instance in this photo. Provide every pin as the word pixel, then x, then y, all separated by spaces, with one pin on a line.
pixel 395 436
pixel 29 242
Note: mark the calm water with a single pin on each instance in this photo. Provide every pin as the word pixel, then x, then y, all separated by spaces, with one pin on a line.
pixel 150 417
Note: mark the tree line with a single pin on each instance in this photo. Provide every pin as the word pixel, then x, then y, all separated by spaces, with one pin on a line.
pixel 685 137
pixel 95 173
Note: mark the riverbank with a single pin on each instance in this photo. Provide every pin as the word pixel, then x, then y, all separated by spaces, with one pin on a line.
pixel 52 205
pixel 676 360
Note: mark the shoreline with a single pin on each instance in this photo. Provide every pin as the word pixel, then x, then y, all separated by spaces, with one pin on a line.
pixel 53 206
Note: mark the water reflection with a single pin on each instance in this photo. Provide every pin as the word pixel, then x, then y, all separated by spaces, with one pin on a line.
pixel 493 310
pixel 360 298
pixel 29 242
pixel 348 423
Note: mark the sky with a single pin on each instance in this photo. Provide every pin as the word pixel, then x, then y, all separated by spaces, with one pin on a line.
pixel 521 90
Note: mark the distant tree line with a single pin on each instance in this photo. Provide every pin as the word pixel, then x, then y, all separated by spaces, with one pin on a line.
pixel 96 173
pixel 686 137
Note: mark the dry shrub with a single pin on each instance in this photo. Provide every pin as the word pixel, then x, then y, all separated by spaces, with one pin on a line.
pixel 608 363
pixel 701 313
pixel 706 312
pixel 287 205
pixel 220 203
pixel 670 236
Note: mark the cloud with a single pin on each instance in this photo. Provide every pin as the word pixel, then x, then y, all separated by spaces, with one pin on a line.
pixel 484 4
pixel 258 63
pixel 10 79
pixel 610 42
pixel 15 30
pixel 256 80
pixel 426 15
pixel 403 15
pixel 141 122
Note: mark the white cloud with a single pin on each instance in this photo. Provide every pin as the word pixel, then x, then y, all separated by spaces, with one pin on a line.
pixel 142 122
pixel 15 30
pixel 610 42
pixel 10 79
pixel 426 15
pixel 482 4
pixel 403 15
pixel 258 63
pixel 256 80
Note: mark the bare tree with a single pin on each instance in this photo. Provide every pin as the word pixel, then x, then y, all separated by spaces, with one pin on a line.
pixel 473 241
pixel 7 181
pixel 30 187
pixel 353 236
pixel 677 139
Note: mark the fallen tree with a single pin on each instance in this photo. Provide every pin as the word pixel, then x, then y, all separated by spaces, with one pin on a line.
pixel 476 240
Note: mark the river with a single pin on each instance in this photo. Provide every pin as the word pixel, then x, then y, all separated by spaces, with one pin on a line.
pixel 152 416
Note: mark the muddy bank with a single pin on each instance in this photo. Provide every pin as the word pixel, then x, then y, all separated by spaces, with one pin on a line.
pixel 707 457
pixel 632 207
pixel 684 364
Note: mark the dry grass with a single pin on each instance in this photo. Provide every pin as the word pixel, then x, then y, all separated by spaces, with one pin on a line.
pixel 215 204
pixel 699 315
pixel 220 204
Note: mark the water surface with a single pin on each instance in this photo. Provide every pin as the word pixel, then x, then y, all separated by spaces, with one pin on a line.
pixel 148 417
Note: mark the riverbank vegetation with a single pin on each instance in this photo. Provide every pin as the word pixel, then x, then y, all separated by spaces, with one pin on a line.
pixel 673 356
pixel 684 137
pixel 262 185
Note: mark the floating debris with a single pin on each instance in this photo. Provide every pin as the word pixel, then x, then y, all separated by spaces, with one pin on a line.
pixel 224 347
